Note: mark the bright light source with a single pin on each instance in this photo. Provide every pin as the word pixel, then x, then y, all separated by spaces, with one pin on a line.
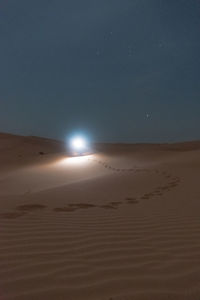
pixel 79 145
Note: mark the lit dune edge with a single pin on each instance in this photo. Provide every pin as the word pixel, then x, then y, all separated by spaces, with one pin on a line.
pixel 120 224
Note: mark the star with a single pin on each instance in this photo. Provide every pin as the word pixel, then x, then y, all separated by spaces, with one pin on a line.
pixel 130 51
pixel 98 52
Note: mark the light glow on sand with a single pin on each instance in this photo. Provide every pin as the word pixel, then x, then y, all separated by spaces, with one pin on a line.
pixel 76 160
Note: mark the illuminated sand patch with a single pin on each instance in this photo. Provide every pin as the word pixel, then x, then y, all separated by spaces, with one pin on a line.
pixel 75 160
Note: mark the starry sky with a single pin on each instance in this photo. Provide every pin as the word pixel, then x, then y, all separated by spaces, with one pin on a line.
pixel 118 70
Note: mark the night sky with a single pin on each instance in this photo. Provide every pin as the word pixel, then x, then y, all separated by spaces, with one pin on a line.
pixel 120 70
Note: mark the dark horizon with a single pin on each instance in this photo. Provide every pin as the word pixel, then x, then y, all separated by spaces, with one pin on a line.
pixel 118 71
pixel 103 142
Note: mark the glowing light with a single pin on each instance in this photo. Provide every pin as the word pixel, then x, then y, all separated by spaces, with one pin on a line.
pixel 79 145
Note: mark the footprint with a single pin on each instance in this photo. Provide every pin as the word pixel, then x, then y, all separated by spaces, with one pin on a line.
pixel 107 206
pixel 12 215
pixel 81 205
pixel 168 176
pixel 163 188
pixel 74 206
pixel 145 197
pixel 115 203
pixel 64 209
pixel 149 194
pixel 132 200
pixel 30 207
pixel 158 193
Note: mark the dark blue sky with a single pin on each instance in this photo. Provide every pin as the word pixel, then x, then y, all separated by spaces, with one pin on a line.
pixel 123 70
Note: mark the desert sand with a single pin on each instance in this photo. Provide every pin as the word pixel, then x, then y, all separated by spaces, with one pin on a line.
pixel 122 223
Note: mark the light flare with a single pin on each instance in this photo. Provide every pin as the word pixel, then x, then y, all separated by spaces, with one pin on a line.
pixel 79 145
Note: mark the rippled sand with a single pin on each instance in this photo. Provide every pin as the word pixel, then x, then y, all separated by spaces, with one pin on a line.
pixel 120 224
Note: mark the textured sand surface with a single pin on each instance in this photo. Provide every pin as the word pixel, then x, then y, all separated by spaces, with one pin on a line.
pixel 120 224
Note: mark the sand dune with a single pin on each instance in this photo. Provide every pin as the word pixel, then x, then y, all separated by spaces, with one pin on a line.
pixel 120 224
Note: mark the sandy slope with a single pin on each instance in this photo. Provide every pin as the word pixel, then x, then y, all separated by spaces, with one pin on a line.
pixel 121 224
